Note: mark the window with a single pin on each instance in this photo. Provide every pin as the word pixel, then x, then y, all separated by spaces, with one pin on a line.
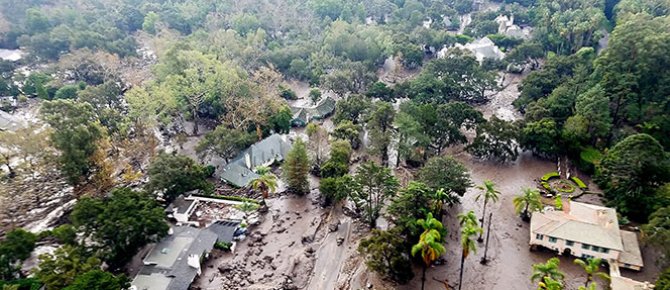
pixel 585 256
pixel 585 246
pixel 569 243
pixel 603 250
pixel 552 239
pixel 539 237
pixel 595 249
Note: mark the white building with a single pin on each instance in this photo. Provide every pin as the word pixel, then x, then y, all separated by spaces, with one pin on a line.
pixel 586 231
pixel 482 48
pixel 507 27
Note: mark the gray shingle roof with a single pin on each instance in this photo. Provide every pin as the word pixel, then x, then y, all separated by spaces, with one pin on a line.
pixel 166 265
pixel 239 171
pixel 322 110
pixel 237 174
pixel 225 230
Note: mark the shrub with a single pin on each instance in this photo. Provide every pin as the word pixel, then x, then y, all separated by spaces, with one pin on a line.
pixel 579 182
pixel 209 170
pixel 591 155
pixel 223 246
pixel 565 186
pixel 546 186
pixel 287 93
pixel 550 175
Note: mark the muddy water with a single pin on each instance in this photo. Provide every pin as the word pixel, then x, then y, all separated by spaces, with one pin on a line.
pixel 510 259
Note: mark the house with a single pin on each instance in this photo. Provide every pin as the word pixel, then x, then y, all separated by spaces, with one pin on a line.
pixel 304 115
pixel 239 172
pixel 482 48
pixel 586 231
pixel 183 208
pixel 507 27
pixel 174 262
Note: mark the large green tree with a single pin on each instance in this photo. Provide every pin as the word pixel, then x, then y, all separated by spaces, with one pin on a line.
pixel 657 230
pixel 496 139
pixel 634 74
pixel 61 268
pixel 448 174
pixel 631 172
pixel 296 168
pixel 99 280
pixel 119 225
pixel 384 253
pixel 541 137
pixel 380 127
pixel 225 142
pixel 412 203
pixel 75 134
pixel 373 184
pixel 14 248
pixel 172 175
pixel 458 77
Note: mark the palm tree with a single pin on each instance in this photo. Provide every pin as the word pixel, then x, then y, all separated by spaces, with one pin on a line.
pixel 440 198
pixel 469 229
pixel 527 201
pixel 246 208
pixel 489 193
pixel 430 243
pixel 266 182
pixel 550 284
pixel 593 286
pixel 592 268
pixel 468 218
pixel 547 270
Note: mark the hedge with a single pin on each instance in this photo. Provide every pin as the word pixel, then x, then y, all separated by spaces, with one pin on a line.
pixel 229 197
pixel 579 182
pixel 550 175
pixel 570 187
pixel 546 186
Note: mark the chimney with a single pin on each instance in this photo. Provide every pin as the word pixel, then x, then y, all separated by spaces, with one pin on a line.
pixel 566 205
pixel 194 262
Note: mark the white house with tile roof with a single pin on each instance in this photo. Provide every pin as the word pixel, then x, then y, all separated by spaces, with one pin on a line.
pixel 586 231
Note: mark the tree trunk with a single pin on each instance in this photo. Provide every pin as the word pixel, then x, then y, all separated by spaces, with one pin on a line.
pixel 481 234
pixel 259 132
pixel 423 278
pixel 460 279
pixel 195 121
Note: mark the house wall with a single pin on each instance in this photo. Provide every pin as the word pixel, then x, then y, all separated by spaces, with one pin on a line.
pixel 575 250
pixel 181 217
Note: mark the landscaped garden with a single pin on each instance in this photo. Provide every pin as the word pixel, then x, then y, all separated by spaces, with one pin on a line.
pixel 552 184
